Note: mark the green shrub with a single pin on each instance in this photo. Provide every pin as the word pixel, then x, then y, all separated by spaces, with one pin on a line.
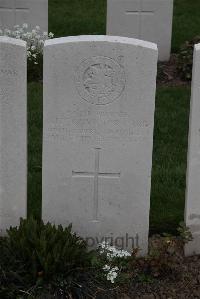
pixel 185 58
pixel 36 253
pixel 47 249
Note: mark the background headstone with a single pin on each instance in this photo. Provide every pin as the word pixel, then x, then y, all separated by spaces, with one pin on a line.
pixel 99 96
pixel 149 20
pixel 17 12
pixel 192 209
pixel 13 132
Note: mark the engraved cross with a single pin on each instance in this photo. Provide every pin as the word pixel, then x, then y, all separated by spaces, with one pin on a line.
pixel 12 7
pixel 96 174
pixel 140 12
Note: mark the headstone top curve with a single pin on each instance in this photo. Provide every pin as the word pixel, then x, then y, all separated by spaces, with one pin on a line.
pixel 14 41
pixel 149 20
pixel 100 38
pixel 197 47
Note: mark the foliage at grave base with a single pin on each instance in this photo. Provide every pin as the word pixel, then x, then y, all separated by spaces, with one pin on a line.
pixel 35 253
pixel 47 249
pixel 165 255
pixel 40 260
pixel 185 58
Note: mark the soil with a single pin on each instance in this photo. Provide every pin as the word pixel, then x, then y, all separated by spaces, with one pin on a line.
pixel 168 75
pixel 182 283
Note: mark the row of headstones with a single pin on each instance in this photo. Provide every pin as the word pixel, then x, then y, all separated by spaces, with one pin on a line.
pixel 98 117
pixel 149 20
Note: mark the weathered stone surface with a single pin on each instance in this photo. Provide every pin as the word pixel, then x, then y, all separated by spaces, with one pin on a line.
pixel 17 12
pixel 149 20
pixel 13 132
pixel 192 209
pixel 99 95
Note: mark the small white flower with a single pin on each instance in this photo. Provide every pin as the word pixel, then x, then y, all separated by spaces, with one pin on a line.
pixel 28 53
pixel 35 39
pixel 7 31
pixel 51 35
pixel 25 26
pixel 112 252
pixel 115 269
pixel 106 268
pixel 33 48
pixel 21 30
pixel 112 274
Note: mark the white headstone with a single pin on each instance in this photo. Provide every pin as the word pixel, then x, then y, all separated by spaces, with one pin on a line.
pixel 13 132
pixel 99 95
pixel 149 20
pixel 17 12
pixel 192 209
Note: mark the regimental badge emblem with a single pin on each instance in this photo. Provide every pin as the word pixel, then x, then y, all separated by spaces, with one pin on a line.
pixel 100 80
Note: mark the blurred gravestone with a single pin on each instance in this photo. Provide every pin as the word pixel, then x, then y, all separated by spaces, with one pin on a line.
pixel 13 132
pixel 17 12
pixel 149 20
pixel 192 210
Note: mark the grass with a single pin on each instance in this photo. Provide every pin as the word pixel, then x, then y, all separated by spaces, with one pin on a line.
pixel 76 17
pixel 169 156
pixel 34 148
pixel 186 22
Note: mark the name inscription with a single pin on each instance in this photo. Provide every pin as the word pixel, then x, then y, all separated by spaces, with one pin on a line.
pixel 7 72
pixel 99 126
pixel 7 84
